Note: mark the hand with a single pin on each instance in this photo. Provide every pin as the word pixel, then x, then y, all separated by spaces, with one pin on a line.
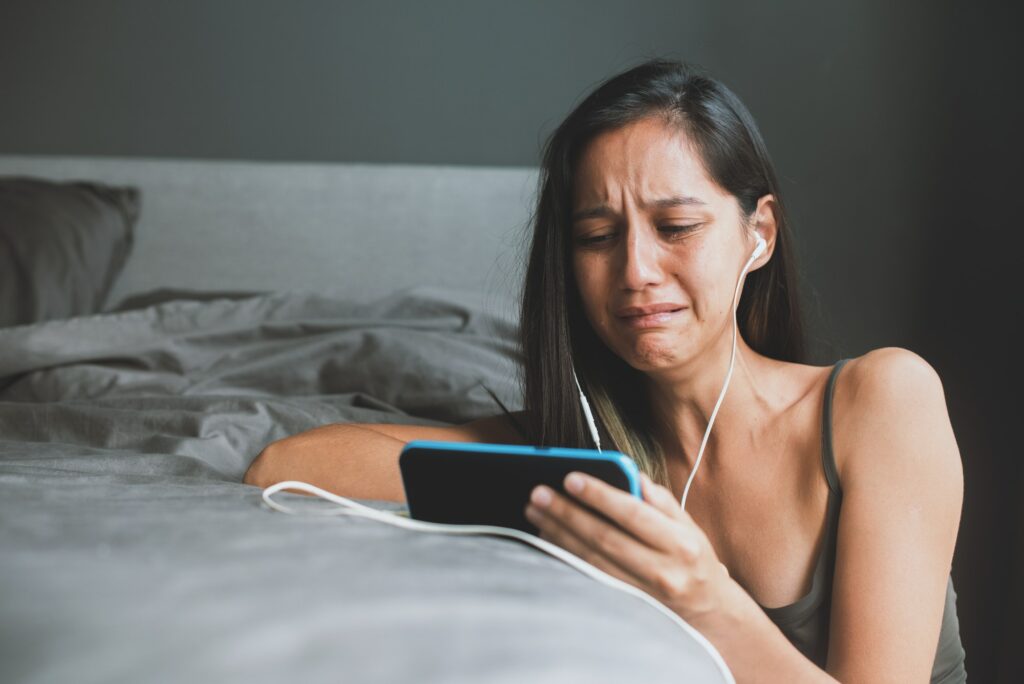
pixel 652 544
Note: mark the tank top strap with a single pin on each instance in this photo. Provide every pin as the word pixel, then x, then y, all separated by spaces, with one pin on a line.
pixel 828 458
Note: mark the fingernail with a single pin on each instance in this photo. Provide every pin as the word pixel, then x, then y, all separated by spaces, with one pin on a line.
pixel 541 496
pixel 574 483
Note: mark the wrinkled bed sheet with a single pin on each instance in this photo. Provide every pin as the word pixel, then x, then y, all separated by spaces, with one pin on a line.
pixel 130 551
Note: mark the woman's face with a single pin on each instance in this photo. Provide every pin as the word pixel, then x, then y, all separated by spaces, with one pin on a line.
pixel 651 229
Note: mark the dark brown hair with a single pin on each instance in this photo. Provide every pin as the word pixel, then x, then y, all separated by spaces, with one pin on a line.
pixel 554 333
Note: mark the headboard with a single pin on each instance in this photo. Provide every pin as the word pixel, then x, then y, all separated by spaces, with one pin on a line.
pixel 361 229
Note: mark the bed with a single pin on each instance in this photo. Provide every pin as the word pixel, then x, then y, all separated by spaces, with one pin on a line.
pixel 229 304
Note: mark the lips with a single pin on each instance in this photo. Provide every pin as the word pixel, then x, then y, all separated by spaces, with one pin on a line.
pixel 651 316
pixel 635 311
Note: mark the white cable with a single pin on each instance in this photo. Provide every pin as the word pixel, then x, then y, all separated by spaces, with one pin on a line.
pixel 588 413
pixel 728 376
pixel 349 507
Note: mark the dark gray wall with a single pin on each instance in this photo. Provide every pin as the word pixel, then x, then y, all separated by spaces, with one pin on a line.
pixel 841 92
pixel 892 125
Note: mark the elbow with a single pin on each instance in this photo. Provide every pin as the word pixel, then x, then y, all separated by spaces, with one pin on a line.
pixel 261 470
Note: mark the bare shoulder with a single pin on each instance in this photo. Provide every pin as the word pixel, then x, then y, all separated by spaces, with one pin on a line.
pixel 883 381
pixel 500 429
pixel 890 418
pixel 892 367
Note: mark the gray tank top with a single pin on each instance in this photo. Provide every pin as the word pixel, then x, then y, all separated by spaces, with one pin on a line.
pixel 806 622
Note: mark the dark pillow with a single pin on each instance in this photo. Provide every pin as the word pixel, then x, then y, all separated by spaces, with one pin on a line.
pixel 61 246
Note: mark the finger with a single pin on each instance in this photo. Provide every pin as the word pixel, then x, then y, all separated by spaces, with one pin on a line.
pixel 601 535
pixel 659 497
pixel 552 530
pixel 665 501
pixel 645 522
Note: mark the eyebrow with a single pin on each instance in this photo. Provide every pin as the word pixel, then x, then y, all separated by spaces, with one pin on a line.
pixel 602 210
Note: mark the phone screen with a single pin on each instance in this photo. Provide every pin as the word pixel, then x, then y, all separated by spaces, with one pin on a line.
pixel 490 484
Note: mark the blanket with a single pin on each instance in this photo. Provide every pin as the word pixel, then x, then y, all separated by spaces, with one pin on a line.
pixel 131 551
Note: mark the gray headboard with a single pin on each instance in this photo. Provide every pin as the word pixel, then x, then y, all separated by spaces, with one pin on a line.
pixel 362 229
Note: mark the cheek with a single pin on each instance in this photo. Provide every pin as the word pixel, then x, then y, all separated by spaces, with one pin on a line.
pixel 700 273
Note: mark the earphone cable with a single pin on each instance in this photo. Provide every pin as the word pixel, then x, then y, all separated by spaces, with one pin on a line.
pixel 348 507
pixel 725 385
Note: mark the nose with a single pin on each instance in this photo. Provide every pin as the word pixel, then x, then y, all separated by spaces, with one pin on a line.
pixel 640 258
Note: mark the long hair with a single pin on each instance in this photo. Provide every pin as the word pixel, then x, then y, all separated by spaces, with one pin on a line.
pixel 554 334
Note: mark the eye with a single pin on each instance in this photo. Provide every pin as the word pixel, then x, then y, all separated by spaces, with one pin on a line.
pixel 679 230
pixel 606 238
pixel 594 240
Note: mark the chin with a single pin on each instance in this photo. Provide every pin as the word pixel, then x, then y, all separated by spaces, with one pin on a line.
pixel 651 353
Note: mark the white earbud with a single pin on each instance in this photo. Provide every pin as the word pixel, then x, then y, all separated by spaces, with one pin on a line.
pixel 761 247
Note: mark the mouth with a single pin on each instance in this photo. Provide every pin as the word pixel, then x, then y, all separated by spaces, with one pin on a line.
pixel 662 307
pixel 651 316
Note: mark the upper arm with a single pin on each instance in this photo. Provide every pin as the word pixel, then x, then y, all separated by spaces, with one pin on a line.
pixel 902 485
pixel 493 430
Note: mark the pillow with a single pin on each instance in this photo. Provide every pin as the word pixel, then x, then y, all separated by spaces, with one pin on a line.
pixel 61 246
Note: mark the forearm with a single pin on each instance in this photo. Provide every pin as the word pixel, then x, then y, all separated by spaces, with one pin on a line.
pixel 752 646
pixel 349 460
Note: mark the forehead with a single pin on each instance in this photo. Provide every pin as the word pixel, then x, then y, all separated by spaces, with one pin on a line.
pixel 646 159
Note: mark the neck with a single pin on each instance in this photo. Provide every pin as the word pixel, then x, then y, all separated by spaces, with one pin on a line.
pixel 684 397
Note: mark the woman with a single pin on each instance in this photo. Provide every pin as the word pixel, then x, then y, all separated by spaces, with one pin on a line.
pixel 818 536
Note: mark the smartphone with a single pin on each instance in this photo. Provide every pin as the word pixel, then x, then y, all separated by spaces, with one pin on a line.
pixel 490 484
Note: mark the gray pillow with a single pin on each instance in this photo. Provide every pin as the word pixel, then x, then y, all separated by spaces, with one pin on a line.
pixel 61 246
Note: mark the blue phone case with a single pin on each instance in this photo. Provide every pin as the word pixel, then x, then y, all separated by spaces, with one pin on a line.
pixel 490 484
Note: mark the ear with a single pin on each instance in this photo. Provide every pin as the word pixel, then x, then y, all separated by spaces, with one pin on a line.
pixel 765 223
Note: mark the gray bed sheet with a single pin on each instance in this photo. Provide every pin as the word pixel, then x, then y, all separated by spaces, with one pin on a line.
pixel 130 551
